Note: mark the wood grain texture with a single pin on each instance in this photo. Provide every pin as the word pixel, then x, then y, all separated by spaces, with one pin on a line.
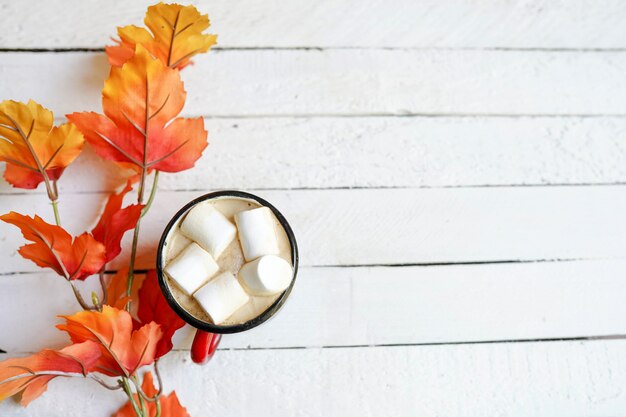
pixel 381 306
pixel 518 379
pixel 336 23
pixel 349 82
pixel 393 226
pixel 385 152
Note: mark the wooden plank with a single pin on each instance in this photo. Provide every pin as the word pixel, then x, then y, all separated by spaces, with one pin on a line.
pixel 349 82
pixel 381 306
pixel 392 226
pixel 385 152
pixel 519 379
pixel 275 23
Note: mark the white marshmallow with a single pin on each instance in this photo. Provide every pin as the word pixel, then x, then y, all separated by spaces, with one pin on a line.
pixel 266 275
pixel 205 225
pixel 221 297
pixel 191 268
pixel 257 233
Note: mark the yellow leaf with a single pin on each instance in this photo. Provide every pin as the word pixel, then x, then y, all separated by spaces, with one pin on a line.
pixel 32 148
pixel 176 36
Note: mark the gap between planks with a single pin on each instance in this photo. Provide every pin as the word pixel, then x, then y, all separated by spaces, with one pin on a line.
pixel 603 338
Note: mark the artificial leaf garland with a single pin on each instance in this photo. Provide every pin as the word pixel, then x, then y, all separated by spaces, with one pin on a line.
pixel 141 101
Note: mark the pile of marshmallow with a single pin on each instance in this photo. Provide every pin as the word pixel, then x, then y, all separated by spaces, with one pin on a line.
pixel 196 272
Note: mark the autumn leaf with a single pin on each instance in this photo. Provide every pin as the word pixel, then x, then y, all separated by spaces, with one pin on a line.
pixel 154 307
pixel 53 247
pixel 116 290
pixel 176 36
pixel 123 350
pixel 141 101
pixel 170 405
pixel 30 375
pixel 115 221
pixel 33 149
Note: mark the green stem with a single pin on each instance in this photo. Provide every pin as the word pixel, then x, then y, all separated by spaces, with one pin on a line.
pixel 133 252
pixel 155 183
pixel 55 207
pixel 131 399
pixel 158 408
pixel 142 402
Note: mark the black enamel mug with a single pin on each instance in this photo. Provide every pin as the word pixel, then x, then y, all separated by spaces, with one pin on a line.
pixel 209 334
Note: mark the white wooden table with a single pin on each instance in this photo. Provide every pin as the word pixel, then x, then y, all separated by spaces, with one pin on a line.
pixel 455 174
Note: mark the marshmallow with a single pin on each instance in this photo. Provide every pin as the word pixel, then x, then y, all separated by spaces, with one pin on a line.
pixel 266 275
pixel 256 233
pixel 221 297
pixel 205 225
pixel 192 268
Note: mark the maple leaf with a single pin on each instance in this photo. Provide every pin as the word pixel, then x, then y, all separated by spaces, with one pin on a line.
pixel 33 149
pixel 170 405
pixel 141 101
pixel 30 375
pixel 115 221
pixel 154 307
pixel 116 290
pixel 53 247
pixel 176 36
pixel 123 350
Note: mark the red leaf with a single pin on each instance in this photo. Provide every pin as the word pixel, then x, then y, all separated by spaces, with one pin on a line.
pixel 115 221
pixel 123 350
pixel 54 248
pixel 116 289
pixel 30 375
pixel 154 307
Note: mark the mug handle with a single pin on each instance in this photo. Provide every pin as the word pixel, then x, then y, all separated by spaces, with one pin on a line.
pixel 204 346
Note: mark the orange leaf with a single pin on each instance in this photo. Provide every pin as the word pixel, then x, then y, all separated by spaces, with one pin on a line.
pixel 154 307
pixel 115 221
pixel 54 248
pixel 30 375
pixel 116 289
pixel 170 405
pixel 32 147
pixel 141 100
pixel 123 350
pixel 176 36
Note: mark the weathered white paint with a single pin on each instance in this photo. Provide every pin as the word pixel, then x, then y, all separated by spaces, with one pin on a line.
pixel 504 379
pixel 385 151
pixel 335 23
pixel 349 82
pixel 392 226
pixel 374 306
pixel 263 111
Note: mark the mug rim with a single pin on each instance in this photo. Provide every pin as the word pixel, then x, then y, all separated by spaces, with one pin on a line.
pixel 235 328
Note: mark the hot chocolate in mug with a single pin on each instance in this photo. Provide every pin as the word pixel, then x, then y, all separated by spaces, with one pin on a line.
pixel 226 262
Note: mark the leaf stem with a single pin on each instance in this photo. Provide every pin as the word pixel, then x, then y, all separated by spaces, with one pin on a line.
pixel 142 402
pixel 131 399
pixel 133 253
pixel 55 207
pixel 155 183
pixel 80 298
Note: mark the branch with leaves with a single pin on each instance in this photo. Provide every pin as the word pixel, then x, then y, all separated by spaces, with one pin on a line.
pixel 141 100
